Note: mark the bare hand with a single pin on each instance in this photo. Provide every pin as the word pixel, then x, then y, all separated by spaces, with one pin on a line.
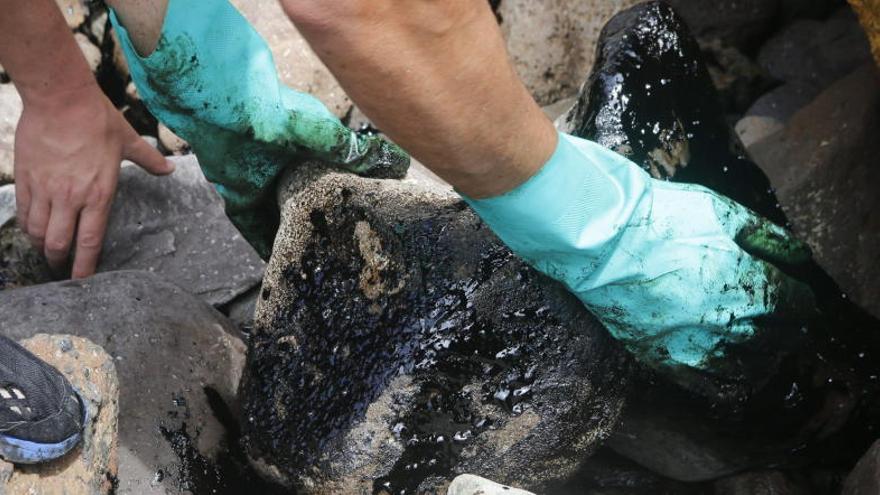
pixel 67 158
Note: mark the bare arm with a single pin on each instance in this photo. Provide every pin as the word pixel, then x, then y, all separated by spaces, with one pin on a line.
pixel 70 140
pixel 435 76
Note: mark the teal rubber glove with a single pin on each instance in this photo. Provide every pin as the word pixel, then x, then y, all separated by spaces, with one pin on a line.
pixel 212 80
pixel 674 271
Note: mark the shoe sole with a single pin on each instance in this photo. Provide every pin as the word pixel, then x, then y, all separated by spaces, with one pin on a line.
pixel 18 451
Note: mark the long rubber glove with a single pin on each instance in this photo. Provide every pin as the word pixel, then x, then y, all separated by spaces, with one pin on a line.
pixel 675 271
pixel 212 80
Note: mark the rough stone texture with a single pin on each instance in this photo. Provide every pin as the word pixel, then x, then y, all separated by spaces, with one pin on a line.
pixel 173 226
pixel 865 477
pixel 753 129
pixel 739 23
pixel 20 264
pixel 169 348
pixel 869 15
pixel 782 102
pixel 821 166
pixel 92 466
pixel 397 342
pixel 759 483
pixel 75 11
pixel 298 65
pixel 10 111
pixel 818 52
pixel 808 56
pixel 677 131
pixel 552 42
pixel 468 484
pixel 677 449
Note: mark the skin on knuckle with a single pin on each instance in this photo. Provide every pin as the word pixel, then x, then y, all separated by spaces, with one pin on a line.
pixel 57 246
pixel 89 240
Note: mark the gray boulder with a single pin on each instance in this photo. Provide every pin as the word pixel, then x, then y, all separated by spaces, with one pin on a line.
pixel 807 57
pixel 175 226
pixel 171 351
pixel 172 226
pixel 738 23
pixel 823 167
pixel 398 343
pixel 865 477
pixel 817 52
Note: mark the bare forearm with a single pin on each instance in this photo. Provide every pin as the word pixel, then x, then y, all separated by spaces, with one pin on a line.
pixel 39 52
pixel 435 77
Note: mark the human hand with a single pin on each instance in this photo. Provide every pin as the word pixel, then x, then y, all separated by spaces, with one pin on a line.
pixel 68 149
pixel 678 273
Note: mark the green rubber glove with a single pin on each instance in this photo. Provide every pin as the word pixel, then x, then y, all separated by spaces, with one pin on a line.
pixel 212 81
pixel 674 271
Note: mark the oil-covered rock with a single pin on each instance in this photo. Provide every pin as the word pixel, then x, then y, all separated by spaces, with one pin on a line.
pixel 398 342
pixel 813 399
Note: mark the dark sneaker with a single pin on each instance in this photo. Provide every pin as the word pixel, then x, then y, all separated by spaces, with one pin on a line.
pixel 41 416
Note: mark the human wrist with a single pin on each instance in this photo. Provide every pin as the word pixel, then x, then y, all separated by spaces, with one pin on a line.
pixel 59 96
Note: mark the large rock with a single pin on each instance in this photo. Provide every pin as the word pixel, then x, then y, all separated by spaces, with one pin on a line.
pixel 651 99
pixel 10 111
pixel 298 66
pixel 178 365
pixel 817 52
pixel 172 226
pixel 823 166
pixel 739 23
pixel 397 342
pixel 92 466
pixel 760 483
pixel 552 43
pixel 806 57
pixel 865 477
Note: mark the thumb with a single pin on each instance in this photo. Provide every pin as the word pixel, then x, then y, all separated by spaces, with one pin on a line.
pixel 139 151
pixel 771 242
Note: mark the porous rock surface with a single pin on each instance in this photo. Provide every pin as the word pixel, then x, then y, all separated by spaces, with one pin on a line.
pixel 91 467
pixel 398 342
pixel 170 350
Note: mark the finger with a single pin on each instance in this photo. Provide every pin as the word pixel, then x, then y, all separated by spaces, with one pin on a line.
pixel 328 140
pixel 147 157
pixel 37 221
pixel 59 235
pixel 770 242
pixel 89 238
pixel 22 203
pixel 790 299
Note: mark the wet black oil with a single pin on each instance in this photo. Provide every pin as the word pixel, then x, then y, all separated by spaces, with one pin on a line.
pixel 229 473
pixel 330 354
pixel 650 98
